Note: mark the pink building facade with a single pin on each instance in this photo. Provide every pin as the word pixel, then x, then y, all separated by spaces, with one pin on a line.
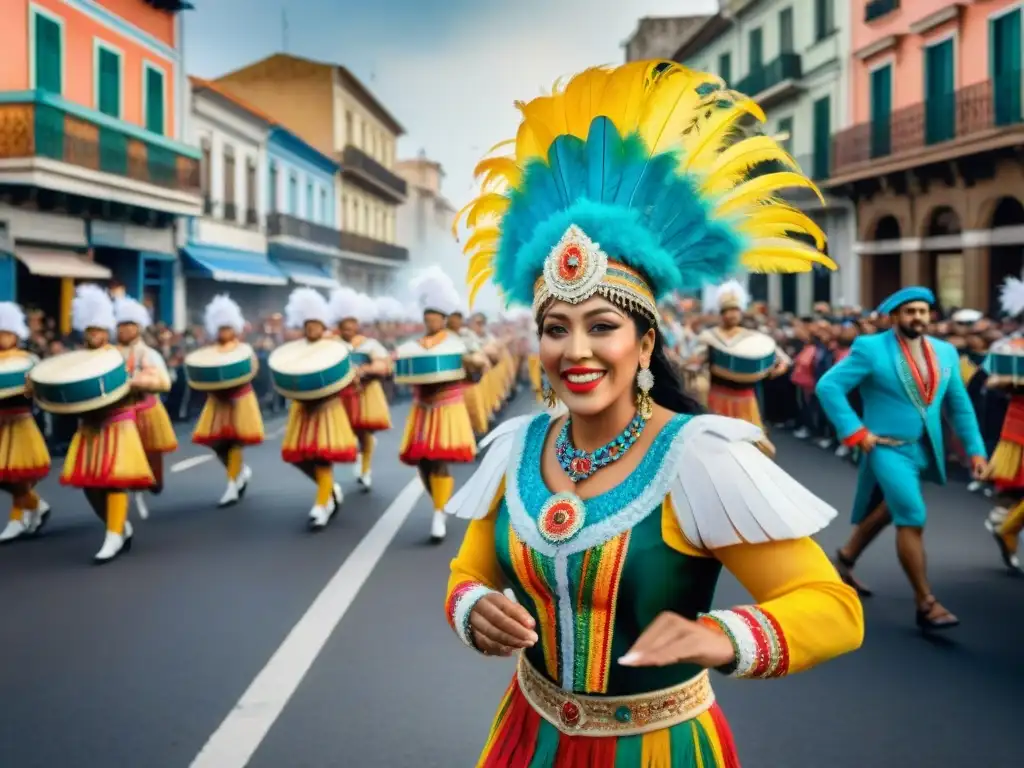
pixel 932 159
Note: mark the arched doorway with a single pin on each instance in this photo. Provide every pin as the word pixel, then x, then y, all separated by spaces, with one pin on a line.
pixel 1004 260
pixel 885 267
pixel 944 269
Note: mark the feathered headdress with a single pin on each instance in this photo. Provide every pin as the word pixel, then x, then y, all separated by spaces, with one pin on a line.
pixel 730 295
pixel 367 309
pixel 128 310
pixel 631 183
pixel 306 304
pixel 344 304
pixel 223 312
pixel 390 308
pixel 12 320
pixel 1011 296
pixel 92 307
pixel 435 292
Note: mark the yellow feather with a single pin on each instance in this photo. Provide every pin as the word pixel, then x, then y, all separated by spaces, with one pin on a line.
pixel 577 101
pixel 500 144
pixel 664 118
pixel 458 217
pixel 481 261
pixel 779 219
pixel 481 236
pixel 623 95
pixel 743 155
pixel 759 190
pixel 702 144
pixel 477 283
pixel 781 254
pixel 486 205
pixel 497 171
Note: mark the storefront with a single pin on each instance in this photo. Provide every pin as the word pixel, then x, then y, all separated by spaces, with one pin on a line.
pixel 259 286
pixel 304 267
pixel 142 258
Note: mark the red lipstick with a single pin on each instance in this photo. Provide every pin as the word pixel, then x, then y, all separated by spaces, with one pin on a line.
pixel 582 387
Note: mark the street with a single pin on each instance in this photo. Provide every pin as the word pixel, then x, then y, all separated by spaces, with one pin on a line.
pixel 137 664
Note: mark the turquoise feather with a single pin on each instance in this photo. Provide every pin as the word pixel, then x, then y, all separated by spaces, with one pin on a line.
pixel 638 208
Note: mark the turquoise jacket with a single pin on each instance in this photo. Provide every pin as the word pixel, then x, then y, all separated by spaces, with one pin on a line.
pixel 894 405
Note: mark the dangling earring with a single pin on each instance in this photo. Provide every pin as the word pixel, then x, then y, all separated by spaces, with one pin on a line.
pixel 644 383
pixel 548 394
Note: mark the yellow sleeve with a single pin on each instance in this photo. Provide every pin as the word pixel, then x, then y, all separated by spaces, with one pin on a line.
pixel 474 571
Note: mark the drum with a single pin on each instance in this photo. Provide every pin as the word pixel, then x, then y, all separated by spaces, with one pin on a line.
pixel 747 360
pixel 13 370
pixel 211 369
pixel 1006 358
pixel 415 364
pixel 360 358
pixel 80 381
pixel 304 370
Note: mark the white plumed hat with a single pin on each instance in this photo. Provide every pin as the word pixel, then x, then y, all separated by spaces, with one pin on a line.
pixel 128 310
pixel 1011 296
pixel 390 308
pixel 12 319
pixel 305 305
pixel 435 291
pixel 367 309
pixel 92 307
pixel 731 295
pixel 223 312
pixel 345 304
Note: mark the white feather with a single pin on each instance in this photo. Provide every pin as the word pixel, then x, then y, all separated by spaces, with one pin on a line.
pixel 306 304
pixel 12 320
pixel 128 310
pixel 474 498
pixel 434 290
pixel 223 312
pixel 1011 296
pixel 344 304
pixel 389 308
pixel 728 492
pixel 730 292
pixel 92 307
pixel 367 310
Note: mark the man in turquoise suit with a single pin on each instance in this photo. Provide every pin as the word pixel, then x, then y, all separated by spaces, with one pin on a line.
pixel 905 379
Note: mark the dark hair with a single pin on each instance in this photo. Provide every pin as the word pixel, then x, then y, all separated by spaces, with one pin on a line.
pixel 668 391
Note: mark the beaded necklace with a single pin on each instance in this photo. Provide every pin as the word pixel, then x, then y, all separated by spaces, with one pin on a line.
pixel 579 464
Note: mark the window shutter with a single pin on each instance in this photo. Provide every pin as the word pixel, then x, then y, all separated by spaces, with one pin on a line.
pixel 109 81
pixel 154 101
pixel 48 55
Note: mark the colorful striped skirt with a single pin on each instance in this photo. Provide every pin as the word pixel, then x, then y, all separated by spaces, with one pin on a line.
pixel 319 432
pixel 1008 457
pixel 107 453
pixel 438 429
pixel 367 406
pixel 231 417
pixel 155 426
pixel 735 403
pixel 23 454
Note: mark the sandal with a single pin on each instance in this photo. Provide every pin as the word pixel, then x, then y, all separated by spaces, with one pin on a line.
pixel 845 567
pixel 927 622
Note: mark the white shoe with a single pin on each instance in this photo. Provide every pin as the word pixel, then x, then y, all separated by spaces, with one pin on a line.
pixel 140 505
pixel 801 434
pixel 842 452
pixel 113 545
pixel 37 517
pixel 974 486
pixel 230 495
pixel 357 468
pixel 339 496
pixel 366 481
pixel 438 527
pixel 242 483
pixel 996 517
pixel 15 530
pixel 320 515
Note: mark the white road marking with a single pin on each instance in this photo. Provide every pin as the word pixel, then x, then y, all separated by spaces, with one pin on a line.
pixel 234 743
pixel 195 461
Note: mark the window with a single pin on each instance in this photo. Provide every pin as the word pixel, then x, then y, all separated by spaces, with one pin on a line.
pixel 786 30
pixel 725 67
pixel 362 136
pixel 824 19
pixel 349 130
pixel 293 194
pixel 881 110
pixel 821 164
pixel 756 49
pixel 205 167
pixel 229 180
pixel 325 212
pixel 757 286
pixel 940 92
pixel 48 52
pixel 355 218
pixel 250 190
pixel 107 80
pixel 272 187
pixel 785 131
pixel 822 283
pixel 789 293
pixel 153 98
pixel 1004 63
pixel 310 200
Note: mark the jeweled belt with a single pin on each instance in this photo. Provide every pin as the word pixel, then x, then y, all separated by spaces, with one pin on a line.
pixel 586 715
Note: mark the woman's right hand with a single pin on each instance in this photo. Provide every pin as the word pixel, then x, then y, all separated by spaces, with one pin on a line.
pixel 501 627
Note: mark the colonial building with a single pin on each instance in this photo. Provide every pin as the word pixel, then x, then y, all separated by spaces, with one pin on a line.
pixel 270 203
pixel 661 37
pixel 933 161
pixel 791 57
pixel 330 109
pixel 425 219
pixel 92 171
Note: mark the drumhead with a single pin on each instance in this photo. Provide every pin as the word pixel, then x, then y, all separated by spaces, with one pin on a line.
pixel 301 357
pixel 452 345
pixel 77 365
pixel 212 356
pixel 16 363
pixel 1012 347
pixel 752 346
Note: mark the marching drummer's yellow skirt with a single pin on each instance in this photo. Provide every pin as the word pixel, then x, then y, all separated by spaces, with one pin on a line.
pixel 438 428
pixel 367 406
pixel 155 426
pixel 536 379
pixel 475 396
pixel 23 454
pixel 319 432
pixel 232 417
pixel 734 402
pixel 108 453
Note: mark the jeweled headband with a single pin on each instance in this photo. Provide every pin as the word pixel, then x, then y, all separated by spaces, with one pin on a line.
pixel 577 269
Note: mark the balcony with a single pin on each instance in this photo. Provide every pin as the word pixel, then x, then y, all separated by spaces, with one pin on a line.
pixel 284 228
pixel 978 118
pixel 51 143
pixel 366 246
pixel 777 80
pixel 876 9
pixel 361 169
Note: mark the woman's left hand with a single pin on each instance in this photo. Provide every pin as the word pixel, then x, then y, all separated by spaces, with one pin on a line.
pixel 674 639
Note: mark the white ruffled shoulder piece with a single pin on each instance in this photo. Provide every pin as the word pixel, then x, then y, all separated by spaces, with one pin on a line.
pixel 373 348
pixel 726 491
pixel 473 500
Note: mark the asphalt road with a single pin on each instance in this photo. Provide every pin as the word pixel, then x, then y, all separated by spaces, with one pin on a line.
pixel 137 664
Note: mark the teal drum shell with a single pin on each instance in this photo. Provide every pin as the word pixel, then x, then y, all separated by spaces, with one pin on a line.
pixel 216 374
pixel 1004 364
pixel 742 366
pixel 427 366
pixel 313 382
pixel 360 358
pixel 74 393
pixel 14 378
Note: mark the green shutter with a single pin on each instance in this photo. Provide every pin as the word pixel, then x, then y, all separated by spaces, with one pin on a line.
pixel 725 67
pixel 881 111
pixel 48 55
pixel 155 101
pixel 786 30
pixel 822 138
pixel 108 81
pixel 756 49
pixel 1004 36
pixel 940 93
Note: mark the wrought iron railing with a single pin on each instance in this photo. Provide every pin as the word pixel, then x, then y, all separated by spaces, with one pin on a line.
pixel 283 225
pixel 354 160
pixel 786 66
pixel 876 9
pixel 367 246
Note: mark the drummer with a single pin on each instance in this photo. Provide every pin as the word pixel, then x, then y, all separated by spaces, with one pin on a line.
pixel 230 418
pixel 364 399
pixel 481 401
pixel 24 459
pixel 499 386
pixel 438 430
pixel 150 378
pixel 106 457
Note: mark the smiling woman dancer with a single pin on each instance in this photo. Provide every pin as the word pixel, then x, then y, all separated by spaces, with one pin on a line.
pixel 611 525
